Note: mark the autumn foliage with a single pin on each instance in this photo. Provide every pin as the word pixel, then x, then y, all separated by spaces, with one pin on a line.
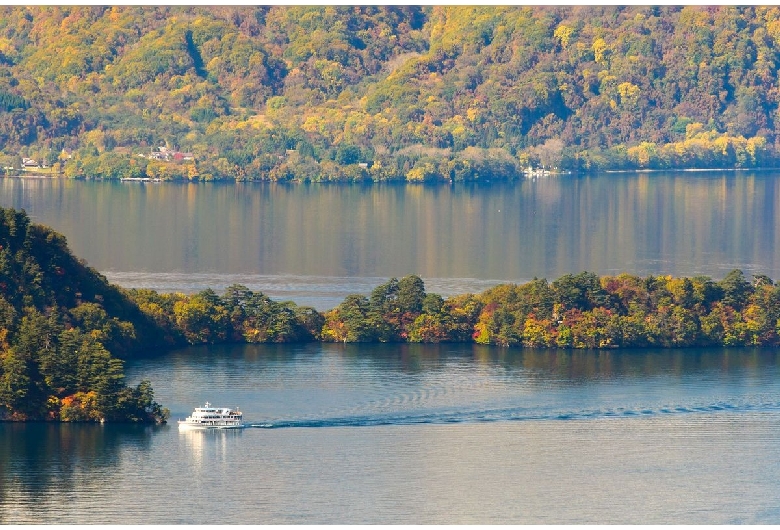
pixel 573 311
pixel 421 94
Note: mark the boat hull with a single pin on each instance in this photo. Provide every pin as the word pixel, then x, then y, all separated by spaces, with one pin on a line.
pixel 185 426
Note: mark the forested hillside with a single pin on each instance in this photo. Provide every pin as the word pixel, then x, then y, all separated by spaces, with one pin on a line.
pixel 386 93
pixel 60 322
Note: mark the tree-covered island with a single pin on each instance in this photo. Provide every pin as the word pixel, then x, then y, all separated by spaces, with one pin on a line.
pixel 394 93
pixel 64 330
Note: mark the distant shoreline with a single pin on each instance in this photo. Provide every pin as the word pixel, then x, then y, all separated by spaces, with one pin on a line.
pixel 692 170
pixel 519 178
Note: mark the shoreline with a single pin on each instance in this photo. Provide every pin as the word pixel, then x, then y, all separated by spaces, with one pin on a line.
pixel 519 178
pixel 692 170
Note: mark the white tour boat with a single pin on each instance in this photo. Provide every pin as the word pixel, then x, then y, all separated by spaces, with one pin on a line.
pixel 209 417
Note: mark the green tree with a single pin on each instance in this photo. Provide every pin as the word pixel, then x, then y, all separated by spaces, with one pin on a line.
pixel 736 289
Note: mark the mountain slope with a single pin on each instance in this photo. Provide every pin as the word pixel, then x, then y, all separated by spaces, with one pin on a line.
pixel 415 93
pixel 59 321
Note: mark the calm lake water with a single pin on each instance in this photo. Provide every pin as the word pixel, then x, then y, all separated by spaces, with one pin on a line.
pixel 421 434
pixel 317 243
pixel 411 433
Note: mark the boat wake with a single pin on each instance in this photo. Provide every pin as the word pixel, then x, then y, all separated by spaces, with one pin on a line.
pixel 517 414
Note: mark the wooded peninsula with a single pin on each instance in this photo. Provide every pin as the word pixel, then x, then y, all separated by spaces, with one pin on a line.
pixel 395 93
pixel 64 330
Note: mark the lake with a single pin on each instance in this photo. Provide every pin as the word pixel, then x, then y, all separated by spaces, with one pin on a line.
pixel 315 244
pixel 421 434
pixel 416 433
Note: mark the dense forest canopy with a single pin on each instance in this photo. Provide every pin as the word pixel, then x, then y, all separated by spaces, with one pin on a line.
pixel 62 327
pixel 383 93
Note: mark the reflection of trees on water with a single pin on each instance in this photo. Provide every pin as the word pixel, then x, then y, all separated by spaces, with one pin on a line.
pixel 573 366
pixel 562 366
pixel 567 366
pixel 664 223
pixel 41 459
